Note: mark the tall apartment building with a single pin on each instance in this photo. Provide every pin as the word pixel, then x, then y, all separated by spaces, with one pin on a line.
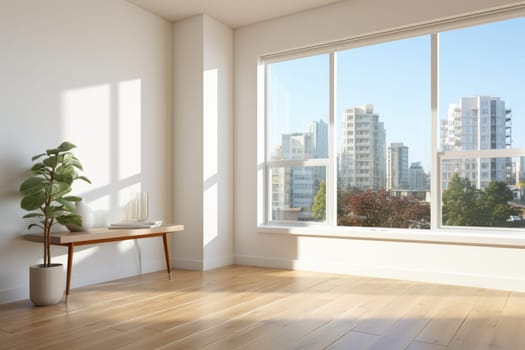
pixel 397 167
pixel 362 158
pixel 417 179
pixel 319 132
pixel 476 123
pixel 295 187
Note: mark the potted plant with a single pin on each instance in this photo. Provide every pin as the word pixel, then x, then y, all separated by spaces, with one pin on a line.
pixel 45 195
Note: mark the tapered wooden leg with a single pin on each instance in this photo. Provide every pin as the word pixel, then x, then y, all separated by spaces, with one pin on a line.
pixel 167 253
pixel 70 252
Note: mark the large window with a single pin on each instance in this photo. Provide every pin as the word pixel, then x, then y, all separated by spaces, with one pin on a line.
pixel 358 138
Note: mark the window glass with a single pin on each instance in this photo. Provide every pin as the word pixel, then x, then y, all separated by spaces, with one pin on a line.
pixel 383 120
pixel 298 193
pixel 297 117
pixel 482 108
pixel 298 108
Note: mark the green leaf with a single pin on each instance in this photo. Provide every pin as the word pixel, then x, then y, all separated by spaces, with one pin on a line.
pixel 37 156
pixel 84 178
pixel 70 219
pixel 72 198
pixel 33 201
pixel 51 161
pixel 66 146
pixel 54 212
pixel 32 185
pixel 64 178
pixel 76 164
pixel 67 171
pixel 52 151
pixel 35 225
pixel 60 189
pixel 38 166
pixel 33 215
pixel 68 205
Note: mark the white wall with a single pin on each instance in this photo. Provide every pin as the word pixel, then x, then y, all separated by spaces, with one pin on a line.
pixel 203 134
pixel 97 73
pixel 218 144
pixel 187 137
pixel 469 265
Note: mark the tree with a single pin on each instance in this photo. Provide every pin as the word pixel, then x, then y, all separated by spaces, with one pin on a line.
pixel 380 209
pixel 464 205
pixel 460 202
pixel 494 205
pixel 319 206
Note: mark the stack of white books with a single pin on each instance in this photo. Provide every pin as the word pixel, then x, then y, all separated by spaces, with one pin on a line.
pixel 135 224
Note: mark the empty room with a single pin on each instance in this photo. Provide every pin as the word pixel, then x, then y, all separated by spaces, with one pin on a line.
pixel 249 174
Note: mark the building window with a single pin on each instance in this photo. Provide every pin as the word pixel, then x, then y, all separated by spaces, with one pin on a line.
pixel 356 137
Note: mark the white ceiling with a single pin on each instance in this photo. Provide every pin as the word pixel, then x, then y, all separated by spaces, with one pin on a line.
pixel 234 13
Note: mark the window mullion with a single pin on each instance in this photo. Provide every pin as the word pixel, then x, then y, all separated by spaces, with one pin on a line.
pixel 331 183
pixel 435 178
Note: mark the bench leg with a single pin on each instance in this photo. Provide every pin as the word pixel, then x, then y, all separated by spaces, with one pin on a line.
pixel 167 253
pixel 70 252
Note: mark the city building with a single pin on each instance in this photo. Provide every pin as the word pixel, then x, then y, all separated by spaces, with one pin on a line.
pixel 293 188
pixel 397 167
pixel 477 123
pixel 417 179
pixel 362 160
pixel 319 133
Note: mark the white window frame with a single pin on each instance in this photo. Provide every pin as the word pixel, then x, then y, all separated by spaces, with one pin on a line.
pixel 438 233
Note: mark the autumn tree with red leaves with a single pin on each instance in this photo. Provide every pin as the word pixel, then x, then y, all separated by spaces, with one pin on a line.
pixel 380 209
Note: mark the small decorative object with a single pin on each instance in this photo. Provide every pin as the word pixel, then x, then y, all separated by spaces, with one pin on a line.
pixel 45 195
pixel 138 206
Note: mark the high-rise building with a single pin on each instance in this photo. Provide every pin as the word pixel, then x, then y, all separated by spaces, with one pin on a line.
pixel 417 179
pixel 296 146
pixel 295 187
pixel 319 132
pixel 476 123
pixel 362 159
pixel 397 167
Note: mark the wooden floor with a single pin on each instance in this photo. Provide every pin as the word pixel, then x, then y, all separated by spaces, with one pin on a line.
pixel 255 308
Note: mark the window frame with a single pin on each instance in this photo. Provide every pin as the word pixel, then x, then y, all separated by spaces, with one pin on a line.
pixel 492 236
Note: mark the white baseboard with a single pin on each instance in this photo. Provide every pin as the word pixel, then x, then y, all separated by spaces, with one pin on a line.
pixel 187 264
pixel 14 294
pixel 441 277
pixel 210 264
pixel 199 265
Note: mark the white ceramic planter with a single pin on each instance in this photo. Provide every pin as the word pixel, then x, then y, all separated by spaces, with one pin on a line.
pixel 46 284
pixel 86 213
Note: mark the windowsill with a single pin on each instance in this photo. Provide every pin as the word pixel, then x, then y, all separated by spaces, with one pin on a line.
pixel 514 238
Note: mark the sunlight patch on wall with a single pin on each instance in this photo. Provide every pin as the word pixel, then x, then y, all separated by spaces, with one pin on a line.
pixel 100 208
pixel 129 128
pixel 86 114
pixel 210 123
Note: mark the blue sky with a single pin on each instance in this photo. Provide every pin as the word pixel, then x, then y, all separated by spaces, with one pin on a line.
pixel 395 78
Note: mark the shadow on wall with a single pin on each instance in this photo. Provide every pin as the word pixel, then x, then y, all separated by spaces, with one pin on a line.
pixel 105 123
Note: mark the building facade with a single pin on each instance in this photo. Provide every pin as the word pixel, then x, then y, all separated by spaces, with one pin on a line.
pixel 476 123
pixel 362 156
pixel 294 188
pixel 397 167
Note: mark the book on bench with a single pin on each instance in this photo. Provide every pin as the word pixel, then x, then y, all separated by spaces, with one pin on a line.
pixel 135 224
